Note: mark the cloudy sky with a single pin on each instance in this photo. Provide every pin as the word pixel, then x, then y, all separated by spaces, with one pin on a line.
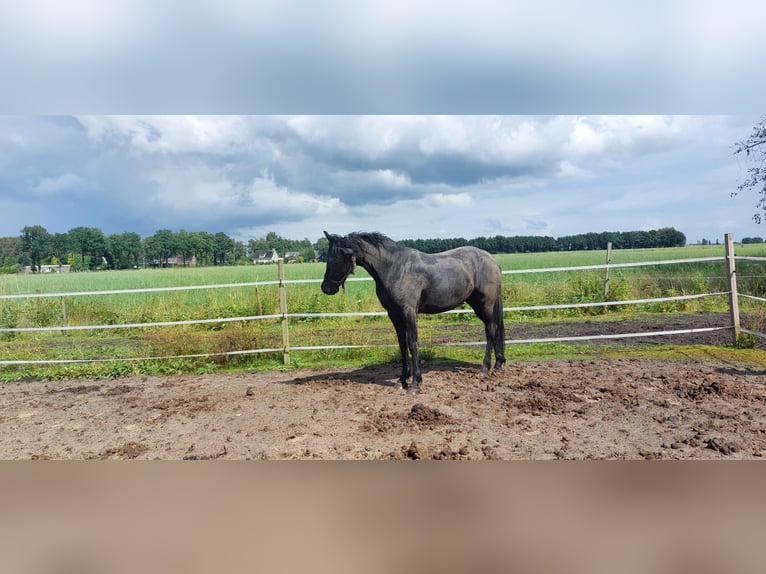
pixel 408 176
pixel 428 119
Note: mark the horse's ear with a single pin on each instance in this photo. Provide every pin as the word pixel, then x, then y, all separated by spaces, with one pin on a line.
pixel 328 236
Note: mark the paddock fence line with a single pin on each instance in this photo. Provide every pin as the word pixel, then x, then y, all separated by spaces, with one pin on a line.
pixel 284 316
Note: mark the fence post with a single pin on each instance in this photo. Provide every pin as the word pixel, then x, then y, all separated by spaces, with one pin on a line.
pixel 608 270
pixel 283 311
pixel 64 321
pixel 733 297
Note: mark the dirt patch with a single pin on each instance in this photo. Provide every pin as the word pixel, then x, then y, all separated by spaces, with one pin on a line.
pixel 602 409
pixel 78 389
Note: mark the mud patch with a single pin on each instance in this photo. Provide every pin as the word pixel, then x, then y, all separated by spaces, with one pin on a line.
pixel 428 416
pixel 419 417
pixel 184 406
pixel 118 390
pixel 79 389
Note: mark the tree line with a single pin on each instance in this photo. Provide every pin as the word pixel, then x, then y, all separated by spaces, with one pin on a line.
pixel 665 237
pixel 88 248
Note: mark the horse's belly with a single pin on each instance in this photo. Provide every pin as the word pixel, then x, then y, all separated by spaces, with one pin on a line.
pixel 440 304
pixel 433 309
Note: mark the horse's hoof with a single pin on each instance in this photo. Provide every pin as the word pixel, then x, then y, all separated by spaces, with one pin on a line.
pixel 413 390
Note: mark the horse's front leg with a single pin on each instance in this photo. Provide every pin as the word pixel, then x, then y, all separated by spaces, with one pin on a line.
pixel 411 327
pixel 401 336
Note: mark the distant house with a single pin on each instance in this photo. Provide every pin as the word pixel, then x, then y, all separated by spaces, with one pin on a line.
pixel 177 260
pixel 268 256
pixel 291 256
pixel 47 269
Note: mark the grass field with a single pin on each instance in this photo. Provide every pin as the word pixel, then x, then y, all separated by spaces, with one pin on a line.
pixel 519 290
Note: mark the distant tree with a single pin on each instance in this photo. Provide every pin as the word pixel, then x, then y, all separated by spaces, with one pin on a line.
pixel 35 241
pixel 123 250
pixel 223 248
pixel 306 252
pixel 161 246
pixel 322 246
pixel 754 149
pixel 669 237
pixel 746 240
pixel 24 259
pixel 10 249
pixel 205 247
pixel 88 241
pixel 60 245
pixel 187 245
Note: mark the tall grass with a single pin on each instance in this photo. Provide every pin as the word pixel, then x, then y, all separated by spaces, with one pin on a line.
pixel 563 287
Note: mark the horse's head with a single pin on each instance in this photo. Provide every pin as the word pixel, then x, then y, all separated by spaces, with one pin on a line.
pixel 340 264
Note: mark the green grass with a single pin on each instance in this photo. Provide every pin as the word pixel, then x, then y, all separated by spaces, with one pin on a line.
pixel 519 290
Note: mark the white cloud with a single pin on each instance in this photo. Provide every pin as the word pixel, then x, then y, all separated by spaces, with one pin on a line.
pixel 203 192
pixel 565 169
pixel 265 196
pixel 379 182
pixel 435 200
pixel 192 188
pixel 172 134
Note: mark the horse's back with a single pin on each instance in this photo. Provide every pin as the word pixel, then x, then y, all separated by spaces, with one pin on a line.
pixel 485 267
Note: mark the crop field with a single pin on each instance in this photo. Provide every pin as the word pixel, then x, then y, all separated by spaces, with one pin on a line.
pixel 218 338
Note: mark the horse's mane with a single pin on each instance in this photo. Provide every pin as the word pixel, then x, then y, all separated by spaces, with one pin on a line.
pixel 372 237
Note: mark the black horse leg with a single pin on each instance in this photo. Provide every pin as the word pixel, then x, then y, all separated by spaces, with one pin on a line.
pixel 500 333
pixel 499 343
pixel 411 326
pixel 490 332
pixel 478 304
pixel 401 336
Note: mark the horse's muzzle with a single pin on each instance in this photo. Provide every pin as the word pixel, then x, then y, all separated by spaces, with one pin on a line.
pixel 330 288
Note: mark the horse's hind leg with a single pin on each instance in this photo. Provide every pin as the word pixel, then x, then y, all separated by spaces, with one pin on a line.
pixel 478 303
pixel 490 333
pixel 499 339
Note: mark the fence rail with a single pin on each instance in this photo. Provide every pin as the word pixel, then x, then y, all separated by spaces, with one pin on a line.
pixel 284 316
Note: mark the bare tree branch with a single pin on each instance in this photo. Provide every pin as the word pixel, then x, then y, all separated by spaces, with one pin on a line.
pixel 754 148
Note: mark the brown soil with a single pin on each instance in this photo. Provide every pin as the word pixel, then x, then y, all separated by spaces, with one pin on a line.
pixel 604 409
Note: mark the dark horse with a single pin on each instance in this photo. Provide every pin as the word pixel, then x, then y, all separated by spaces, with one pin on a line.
pixel 409 282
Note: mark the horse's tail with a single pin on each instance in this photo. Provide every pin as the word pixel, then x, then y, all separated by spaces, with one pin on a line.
pixel 499 313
